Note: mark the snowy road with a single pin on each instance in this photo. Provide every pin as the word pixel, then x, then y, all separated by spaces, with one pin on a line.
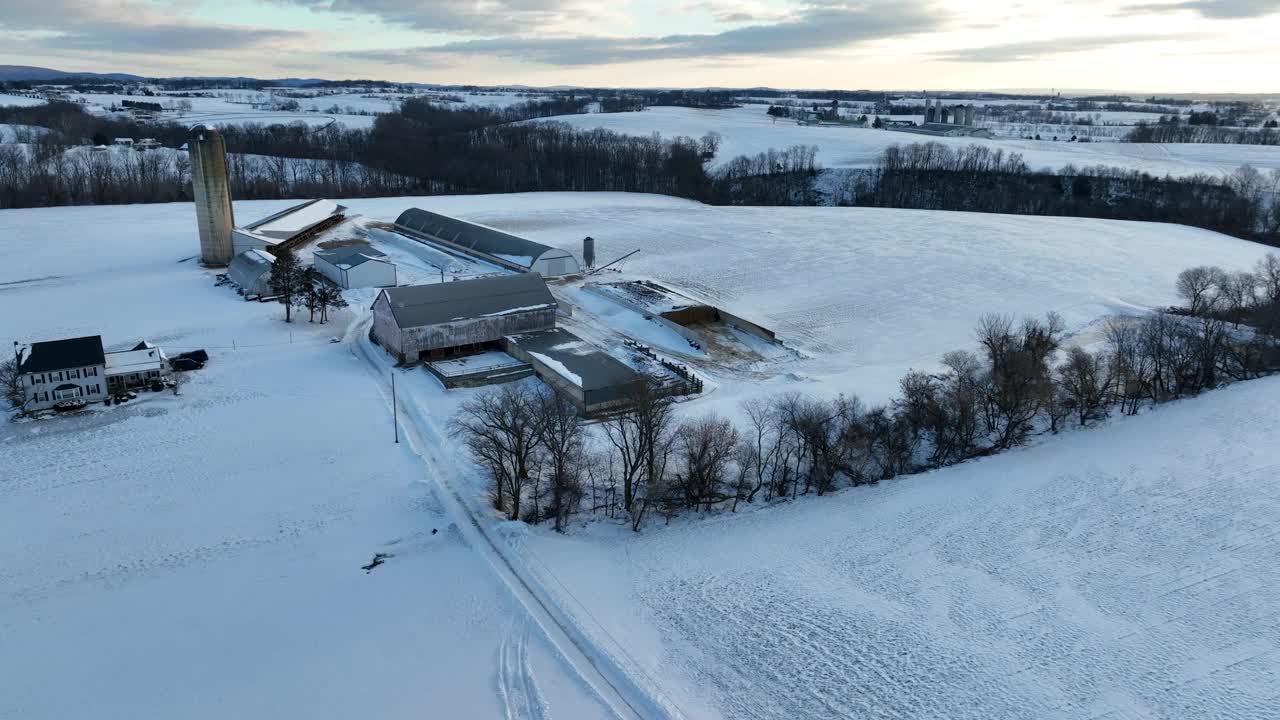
pixel 421 400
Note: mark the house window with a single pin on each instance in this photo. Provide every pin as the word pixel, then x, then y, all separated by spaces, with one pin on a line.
pixel 73 374
pixel 68 394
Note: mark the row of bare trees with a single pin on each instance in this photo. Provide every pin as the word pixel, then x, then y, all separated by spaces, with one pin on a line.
pixel 646 460
pixel 980 178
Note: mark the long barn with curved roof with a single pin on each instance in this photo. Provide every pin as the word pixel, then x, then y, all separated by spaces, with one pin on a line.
pixel 489 244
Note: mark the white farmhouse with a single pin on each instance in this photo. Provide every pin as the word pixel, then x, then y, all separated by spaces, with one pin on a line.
pixel 60 370
pixel 355 266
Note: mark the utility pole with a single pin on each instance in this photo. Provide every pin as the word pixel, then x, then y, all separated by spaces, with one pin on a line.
pixel 395 415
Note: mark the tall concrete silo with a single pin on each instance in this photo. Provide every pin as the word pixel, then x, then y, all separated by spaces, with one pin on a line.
pixel 212 195
pixel 589 252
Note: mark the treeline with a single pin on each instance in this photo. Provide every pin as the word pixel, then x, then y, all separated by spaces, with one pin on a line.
pixel 424 148
pixel 1174 132
pixel 543 463
pixel 979 178
pixel 773 177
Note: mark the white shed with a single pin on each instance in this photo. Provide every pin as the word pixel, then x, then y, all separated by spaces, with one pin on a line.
pixel 355 266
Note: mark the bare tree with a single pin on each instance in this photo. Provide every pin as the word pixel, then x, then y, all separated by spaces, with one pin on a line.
pixel 1238 293
pixel 763 444
pixel 1086 382
pixel 562 439
pixel 502 430
pixel 1267 273
pixel 641 436
pixel 705 447
pixel 1197 285
pixel 15 395
pixel 1019 380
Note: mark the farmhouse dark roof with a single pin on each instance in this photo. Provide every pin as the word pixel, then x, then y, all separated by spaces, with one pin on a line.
pixel 64 354
pixel 477 238
pixel 420 305
pixel 351 255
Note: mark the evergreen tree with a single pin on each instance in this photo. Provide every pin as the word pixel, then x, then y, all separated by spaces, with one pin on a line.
pixel 313 293
pixel 287 280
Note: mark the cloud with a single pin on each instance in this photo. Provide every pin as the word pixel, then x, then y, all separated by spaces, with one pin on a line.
pixel 821 26
pixel 1217 9
pixel 470 17
pixel 127 27
pixel 1041 49
pixel 735 11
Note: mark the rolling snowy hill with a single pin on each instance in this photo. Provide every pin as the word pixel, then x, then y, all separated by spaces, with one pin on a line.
pixel 201 555
pixel 748 130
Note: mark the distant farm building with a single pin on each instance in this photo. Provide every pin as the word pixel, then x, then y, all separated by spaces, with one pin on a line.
pixel 946 121
pixel 486 243
pixel 355 266
pixel 446 319
pixel 289 228
pixel 251 272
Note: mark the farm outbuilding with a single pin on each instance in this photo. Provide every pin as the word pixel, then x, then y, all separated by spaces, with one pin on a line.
pixel 251 272
pixel 355 266
pixel 485 243
pixel 445 319
pixel 289 228
pixel 594 380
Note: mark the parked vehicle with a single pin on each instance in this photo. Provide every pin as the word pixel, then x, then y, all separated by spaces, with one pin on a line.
pixel 183 364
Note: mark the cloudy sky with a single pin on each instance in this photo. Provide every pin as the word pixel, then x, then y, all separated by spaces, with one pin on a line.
pixel 1134 45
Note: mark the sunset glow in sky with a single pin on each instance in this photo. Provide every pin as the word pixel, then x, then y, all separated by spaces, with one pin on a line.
pixel 1128 45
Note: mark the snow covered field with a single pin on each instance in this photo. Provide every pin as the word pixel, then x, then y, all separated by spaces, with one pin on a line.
pixel 1125 572
pixel 748 130
pixel 200 555
pixel 864 293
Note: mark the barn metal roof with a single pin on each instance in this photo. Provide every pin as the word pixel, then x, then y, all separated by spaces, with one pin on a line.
pixel 575 359
pixel 351 255
pixel 64 354
pixel 477 238
pixel 294 220
pixel 420 305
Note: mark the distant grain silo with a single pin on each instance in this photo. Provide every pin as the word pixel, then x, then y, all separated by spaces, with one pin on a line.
pixel 589 252
pixel 212 195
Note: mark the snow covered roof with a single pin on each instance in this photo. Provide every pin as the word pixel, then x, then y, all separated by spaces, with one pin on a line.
pixel 251 270
pixel 63 354
pixel 419 305
pixel 289 222
pixel 351 256
pixel 131 361
pixel 509 250
pixel 576 360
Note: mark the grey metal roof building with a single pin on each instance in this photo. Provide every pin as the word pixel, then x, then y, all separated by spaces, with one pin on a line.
pixel 591 378
pixel 350 255
pixel 430 321
pixel 486 243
